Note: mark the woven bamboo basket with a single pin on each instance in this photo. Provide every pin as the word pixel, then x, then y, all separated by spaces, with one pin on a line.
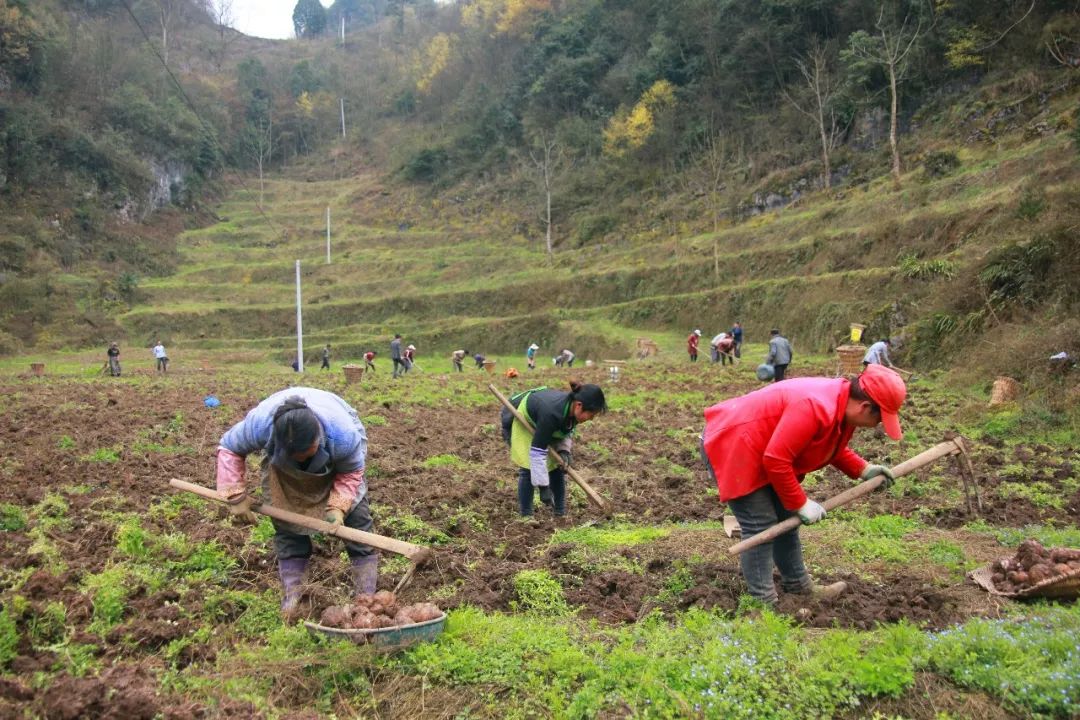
pixel 849 359
pixel 1006 389
pixel 1065 586
pixel 353 373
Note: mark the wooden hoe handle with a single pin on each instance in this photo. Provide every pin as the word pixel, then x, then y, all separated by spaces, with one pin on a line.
pixel 949 447
pixel 418 554
pixel 593 496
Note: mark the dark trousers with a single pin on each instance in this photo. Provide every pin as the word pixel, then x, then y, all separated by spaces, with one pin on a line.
pixel 725 358
pixel 693 356
pixel 738 348
pixel 163 364
pixel 779 371
pixel 400 368
pixel 325 364
pixel 293 545
pixel 526 491
pixel 757 512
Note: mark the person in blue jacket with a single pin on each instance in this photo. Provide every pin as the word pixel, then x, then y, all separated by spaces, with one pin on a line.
pixel 314 448
pixel 554 415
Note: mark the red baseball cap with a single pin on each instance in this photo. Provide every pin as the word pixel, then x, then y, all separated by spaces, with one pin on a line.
pixel 886 388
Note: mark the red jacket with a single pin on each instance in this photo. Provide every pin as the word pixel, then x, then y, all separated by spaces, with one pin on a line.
pixel 774 436
pixel 692 342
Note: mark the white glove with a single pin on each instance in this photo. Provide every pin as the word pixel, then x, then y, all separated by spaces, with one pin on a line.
pixel 811 512
pixel 538 467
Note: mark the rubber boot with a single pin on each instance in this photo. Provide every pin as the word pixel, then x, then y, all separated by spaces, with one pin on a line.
pixel 291 572
pixel 829 593
pixel 365 573
pixel 546 496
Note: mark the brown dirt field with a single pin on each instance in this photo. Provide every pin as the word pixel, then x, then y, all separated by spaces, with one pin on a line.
pixel 50 427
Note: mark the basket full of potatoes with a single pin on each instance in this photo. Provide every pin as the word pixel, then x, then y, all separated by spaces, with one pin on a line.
pixel 378 619
pixel 1034 571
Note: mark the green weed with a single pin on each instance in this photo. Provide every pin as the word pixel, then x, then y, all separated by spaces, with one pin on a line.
pixel 948 554
pixel 132 541
pixel 103 455
pixel 880 538
pixel 108 591
pixel 12 517
pixel 667 467
pixel 49 626
pixel 1039 493
pixel 605 538
pixel 445 460
pixel 9 637
pixel 374 421
pixel 536 591
pixel 65 443
pixel 409 527
pixel 1048 535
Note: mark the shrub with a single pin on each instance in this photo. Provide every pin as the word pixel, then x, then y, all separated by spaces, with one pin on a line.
pixel 427 165
pixel 1032 203
pixel 9 638
pixel 12 517
pixel 592 226
pixel 940 163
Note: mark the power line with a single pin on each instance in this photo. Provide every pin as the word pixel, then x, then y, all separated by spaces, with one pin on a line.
pixel 207 128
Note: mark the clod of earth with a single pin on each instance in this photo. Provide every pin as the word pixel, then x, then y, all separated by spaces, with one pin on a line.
pixel 377 611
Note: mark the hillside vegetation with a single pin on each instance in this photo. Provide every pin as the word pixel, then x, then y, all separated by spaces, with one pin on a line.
pixel 704 162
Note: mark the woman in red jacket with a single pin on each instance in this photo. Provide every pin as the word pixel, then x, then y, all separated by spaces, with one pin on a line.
pixel 758 447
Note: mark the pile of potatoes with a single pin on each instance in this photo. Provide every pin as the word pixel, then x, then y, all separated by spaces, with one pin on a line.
pixel 379 610
pixel 1033 564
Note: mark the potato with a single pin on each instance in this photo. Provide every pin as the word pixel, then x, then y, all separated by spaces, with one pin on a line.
pixel 403 618
pixel 334 616
pixel 382 622
pixel 1012 575
pixel 385 598
pixel 1061 569
pixel 1039 573
pixel 1074 564
pixel 1021 578
pixel 425 612
pixel 363 621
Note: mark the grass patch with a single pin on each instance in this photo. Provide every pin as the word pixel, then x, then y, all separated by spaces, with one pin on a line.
pixel 408 527
pixel 605 538
pixel 879 537
pixel 12 517
pixel 103 455
pixel 1039 493
pixel 445 460
pixel 1048 535
pixel 538 592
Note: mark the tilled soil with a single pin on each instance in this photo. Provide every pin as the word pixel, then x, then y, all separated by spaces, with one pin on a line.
pixel 160 429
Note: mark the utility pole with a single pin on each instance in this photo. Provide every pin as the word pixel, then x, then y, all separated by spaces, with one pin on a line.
pixel 343 29
pixel 327 234
pixel 342 118
pixel 299 325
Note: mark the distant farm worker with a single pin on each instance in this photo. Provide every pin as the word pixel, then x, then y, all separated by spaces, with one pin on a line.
pixel 458 358
pixel 779 354
pixel 725 346
pixel 554 414
pixel 736 335
pixel 325 358
pixel 369 360
pixel 692 344
pixel 530 355
pixel 566 357
pixel 314 448
pixel 760 446
pixel 878 354
pixel 160 358
pixel 396 356
pixel 408 355
pixel 714 354
pixel 113 354
pixel 479 360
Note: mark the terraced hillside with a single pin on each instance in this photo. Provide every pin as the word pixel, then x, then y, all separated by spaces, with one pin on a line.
pixel 452 275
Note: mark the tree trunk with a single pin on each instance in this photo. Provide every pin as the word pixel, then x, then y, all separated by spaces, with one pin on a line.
pixel 892 126
pixel 824 150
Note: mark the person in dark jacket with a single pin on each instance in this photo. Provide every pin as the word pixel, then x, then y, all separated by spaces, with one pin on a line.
pixel 114 359
pixel 554 415
pixel 780 354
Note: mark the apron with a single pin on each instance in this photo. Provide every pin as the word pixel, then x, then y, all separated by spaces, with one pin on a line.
pixel 297 490
pixel 521 438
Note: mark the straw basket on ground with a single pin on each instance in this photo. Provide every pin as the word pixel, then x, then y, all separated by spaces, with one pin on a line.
pixel 1006 389
pixel 353 373
pixel 849 359
pixel 37 369
pixel 489 365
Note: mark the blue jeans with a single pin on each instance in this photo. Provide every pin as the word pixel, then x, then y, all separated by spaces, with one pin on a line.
pixel 526 491
pixel 756 512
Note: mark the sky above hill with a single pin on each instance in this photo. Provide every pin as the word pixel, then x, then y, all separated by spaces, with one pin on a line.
pixel 266 18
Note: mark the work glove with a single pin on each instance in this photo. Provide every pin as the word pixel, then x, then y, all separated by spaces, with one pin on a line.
pixel 334 516
pixel 567 457
pixel 240 508
pixel 872 471
pixel 811 512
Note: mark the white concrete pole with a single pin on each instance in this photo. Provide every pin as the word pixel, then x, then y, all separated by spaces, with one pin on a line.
pixel 299 324
pixel 327 234
pixel 342 117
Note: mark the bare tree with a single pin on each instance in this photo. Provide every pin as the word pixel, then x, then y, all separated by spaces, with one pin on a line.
pixel 714 159
pixel 889 49
pixel 166 11
pixel 221 12
pixel 819 74
pixel 547 156
pixel 258 142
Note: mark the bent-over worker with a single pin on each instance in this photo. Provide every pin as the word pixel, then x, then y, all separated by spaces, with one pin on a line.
pixel 878 354
pixel 554 414
pixel 314 448
pixel 760 446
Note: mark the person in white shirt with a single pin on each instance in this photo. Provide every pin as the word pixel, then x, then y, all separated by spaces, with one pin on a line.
pixel 878 354
pixel 161 358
